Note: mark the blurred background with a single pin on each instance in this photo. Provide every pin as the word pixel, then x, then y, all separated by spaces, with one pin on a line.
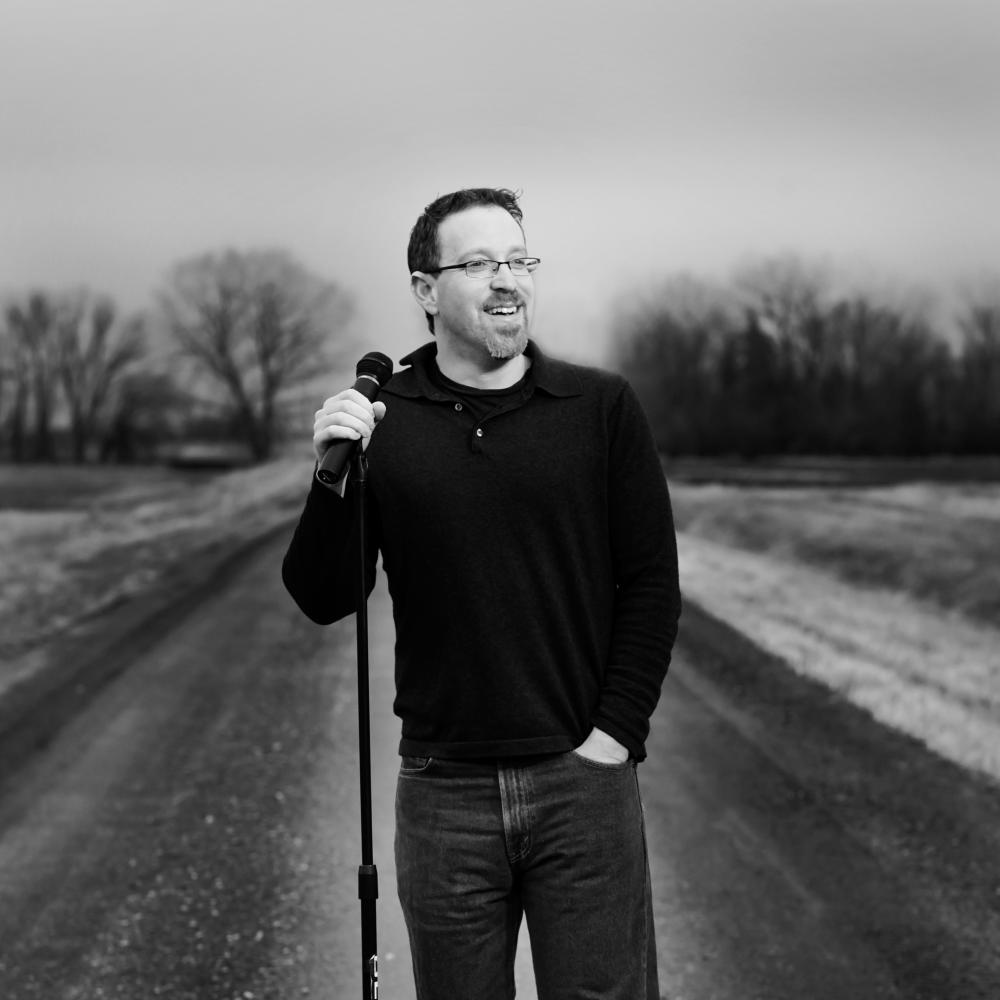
pixel 735 168
pixel 778 219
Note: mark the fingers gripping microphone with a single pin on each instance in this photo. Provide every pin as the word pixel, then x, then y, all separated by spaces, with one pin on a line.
pixel 373 372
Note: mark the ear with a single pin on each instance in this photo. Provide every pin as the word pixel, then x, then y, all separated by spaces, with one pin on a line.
pixel 424 288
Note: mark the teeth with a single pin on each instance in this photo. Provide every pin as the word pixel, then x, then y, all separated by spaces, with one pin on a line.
pixel 503 311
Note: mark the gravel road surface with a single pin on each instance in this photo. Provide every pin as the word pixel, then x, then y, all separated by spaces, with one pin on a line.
pixel 192 831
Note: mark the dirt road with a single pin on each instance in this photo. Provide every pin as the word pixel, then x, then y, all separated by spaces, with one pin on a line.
pixel 193 832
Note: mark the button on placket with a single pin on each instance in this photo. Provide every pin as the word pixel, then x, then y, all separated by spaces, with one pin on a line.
pixel 475 441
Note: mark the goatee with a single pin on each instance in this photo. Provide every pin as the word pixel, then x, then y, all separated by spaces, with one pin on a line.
pixel 503 347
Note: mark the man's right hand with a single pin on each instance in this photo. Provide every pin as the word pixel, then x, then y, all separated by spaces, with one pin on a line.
pixel 347 415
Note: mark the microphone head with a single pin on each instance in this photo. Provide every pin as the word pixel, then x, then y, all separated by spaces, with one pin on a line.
pixel 376 366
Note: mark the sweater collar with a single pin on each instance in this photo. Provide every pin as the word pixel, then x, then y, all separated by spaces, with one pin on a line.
pixel 553 377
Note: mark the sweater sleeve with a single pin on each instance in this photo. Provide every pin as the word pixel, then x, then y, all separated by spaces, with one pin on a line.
pixel 320 569
pixel 647 592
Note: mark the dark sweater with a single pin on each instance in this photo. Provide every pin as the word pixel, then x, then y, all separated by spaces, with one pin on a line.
pixel 530 556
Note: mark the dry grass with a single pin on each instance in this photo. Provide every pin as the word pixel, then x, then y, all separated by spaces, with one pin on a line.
pixel 91 537
pixel 933 541
pixel 890 595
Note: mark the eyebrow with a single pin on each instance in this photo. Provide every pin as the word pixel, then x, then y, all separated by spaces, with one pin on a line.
pixel 518 250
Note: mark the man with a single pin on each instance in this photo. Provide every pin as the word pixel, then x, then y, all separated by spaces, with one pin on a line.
pixel 526 535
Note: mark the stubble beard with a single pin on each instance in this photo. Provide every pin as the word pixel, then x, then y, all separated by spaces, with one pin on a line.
pixel 504 346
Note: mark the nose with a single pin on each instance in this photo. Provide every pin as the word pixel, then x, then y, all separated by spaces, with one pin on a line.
pixel 504 278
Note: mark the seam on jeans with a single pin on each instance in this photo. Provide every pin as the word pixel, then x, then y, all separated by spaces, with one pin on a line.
pixel 410 771
pixel 647 921
pixel 515 798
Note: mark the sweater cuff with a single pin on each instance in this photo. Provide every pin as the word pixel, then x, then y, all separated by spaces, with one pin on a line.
pixel 628 737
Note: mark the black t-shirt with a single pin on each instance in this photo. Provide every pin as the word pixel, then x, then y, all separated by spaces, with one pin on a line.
pixel 479 403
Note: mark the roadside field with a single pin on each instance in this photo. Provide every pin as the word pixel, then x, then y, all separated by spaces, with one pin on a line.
pixel 934 541
pixel 79 540
pixel 879 582
pixel 889 594
pixel 833 471
pixel 77 487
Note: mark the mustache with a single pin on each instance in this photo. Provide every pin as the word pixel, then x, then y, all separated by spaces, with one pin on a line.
pixel 504 300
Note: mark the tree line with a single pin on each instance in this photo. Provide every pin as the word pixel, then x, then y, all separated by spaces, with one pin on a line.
pixel 773 364
pixel 79 381
pixel 777 364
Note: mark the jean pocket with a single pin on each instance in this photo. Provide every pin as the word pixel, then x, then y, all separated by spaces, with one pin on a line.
pixel 414 765
pixel 600 765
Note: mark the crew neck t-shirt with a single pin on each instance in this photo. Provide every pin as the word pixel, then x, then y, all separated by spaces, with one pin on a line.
pixel 482 402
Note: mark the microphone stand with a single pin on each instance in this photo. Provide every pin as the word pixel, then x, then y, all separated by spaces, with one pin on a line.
pixel 367 872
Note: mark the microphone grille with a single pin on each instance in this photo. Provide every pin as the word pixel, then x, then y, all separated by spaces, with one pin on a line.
pixel 376 365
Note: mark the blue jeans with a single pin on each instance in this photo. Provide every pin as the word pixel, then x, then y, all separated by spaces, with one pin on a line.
pixel 558 839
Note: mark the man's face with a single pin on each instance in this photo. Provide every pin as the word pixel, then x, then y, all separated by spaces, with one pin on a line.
pixel 486 317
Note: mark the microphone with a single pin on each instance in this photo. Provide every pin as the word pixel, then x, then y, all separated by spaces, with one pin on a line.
pixel 373 372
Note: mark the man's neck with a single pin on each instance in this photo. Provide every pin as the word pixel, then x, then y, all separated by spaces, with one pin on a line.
pixel 501 374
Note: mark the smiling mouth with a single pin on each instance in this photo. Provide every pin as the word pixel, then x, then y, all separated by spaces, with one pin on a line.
pixel 502 310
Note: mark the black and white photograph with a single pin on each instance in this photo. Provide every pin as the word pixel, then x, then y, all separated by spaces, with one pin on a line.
pixel 500 501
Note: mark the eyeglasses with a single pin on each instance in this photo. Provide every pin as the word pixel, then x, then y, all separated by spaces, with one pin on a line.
pixel 480 268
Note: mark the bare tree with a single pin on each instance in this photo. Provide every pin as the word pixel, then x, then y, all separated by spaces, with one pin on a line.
pixel 145 409
pixel 93 353
pixel 671 339
pixel 800 372
pixel 784 292
pixel 786 298
pixel 32 333
pixel 20 375
pixel 979 322
pixel 256 323
pixel 6 369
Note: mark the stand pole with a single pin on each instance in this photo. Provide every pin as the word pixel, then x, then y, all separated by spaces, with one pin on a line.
pixel 367 872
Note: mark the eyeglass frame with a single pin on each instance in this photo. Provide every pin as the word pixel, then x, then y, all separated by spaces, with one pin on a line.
pixel 496 269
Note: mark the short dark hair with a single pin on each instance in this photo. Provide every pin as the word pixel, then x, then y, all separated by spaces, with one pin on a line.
pixel 424 250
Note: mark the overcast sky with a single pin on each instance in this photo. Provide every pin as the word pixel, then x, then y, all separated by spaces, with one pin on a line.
pixel 647 138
